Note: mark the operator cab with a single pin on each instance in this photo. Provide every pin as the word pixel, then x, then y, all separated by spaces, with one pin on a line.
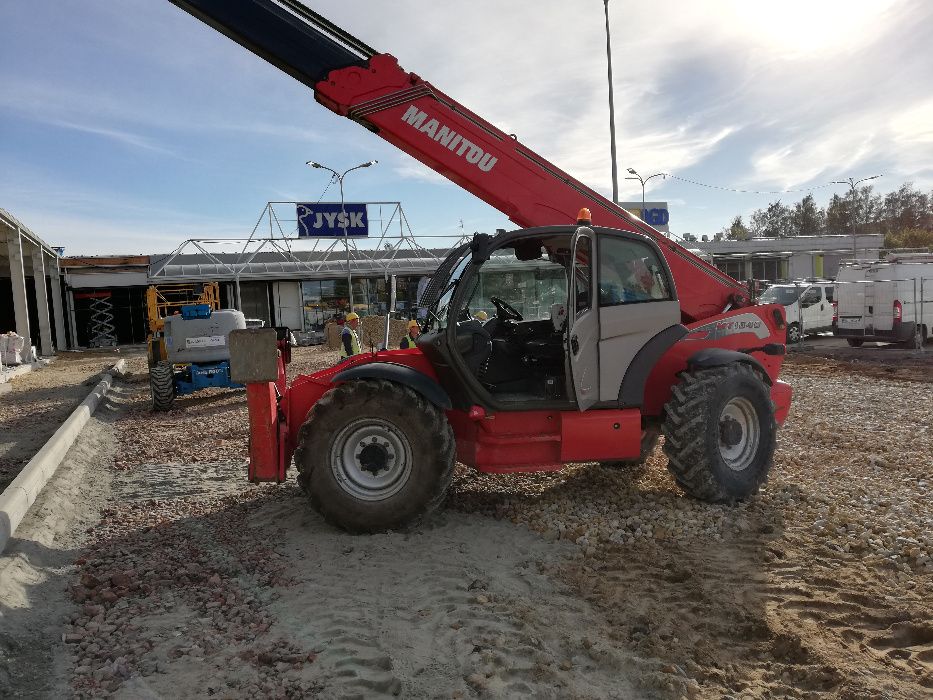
pixel 516 318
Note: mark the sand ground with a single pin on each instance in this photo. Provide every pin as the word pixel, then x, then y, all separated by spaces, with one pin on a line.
pixel 149 568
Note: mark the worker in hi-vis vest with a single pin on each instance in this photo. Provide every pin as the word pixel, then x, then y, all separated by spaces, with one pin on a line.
pixel 349 340
pixel 414 330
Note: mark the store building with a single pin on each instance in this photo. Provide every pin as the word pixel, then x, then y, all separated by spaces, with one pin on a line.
pixel 797 257
pixel 30 287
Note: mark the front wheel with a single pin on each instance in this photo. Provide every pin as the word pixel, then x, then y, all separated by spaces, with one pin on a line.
pixel 374 455
pixel 720 432
pixel 162 385
pixel 794 333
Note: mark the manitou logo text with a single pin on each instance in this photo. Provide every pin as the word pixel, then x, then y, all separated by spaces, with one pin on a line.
pixel 743 323
pixel 445 136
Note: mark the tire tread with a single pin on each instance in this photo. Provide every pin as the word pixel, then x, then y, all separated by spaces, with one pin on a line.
pixel 684 430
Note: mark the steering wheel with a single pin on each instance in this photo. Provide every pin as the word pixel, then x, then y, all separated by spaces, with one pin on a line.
pixel 505 311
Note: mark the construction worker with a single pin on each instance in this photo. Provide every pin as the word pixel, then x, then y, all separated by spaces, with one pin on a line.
pixel 481 316
pixel 349 340
pixel 414 330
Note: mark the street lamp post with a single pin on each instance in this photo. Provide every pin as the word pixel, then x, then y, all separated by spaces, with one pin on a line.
pixel 852 185
pixel 643 181
pixel 343 213
pixel 612 115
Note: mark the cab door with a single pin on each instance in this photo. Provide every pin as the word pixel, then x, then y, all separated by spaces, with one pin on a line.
pixel 637 301
pixel 583 320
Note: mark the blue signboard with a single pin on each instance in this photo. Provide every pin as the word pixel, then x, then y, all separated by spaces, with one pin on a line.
pixel 327 220
pixel 655 217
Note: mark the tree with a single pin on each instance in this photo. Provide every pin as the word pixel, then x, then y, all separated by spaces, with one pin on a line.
pixel 909 238
pixel 906 209
pixel 773 222
pixel 737 231
pixel 838 216
pixel 807 218
pixel 854 211
pixel 900 215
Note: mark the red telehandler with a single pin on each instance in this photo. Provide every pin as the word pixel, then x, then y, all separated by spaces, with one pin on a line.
pixel 625 336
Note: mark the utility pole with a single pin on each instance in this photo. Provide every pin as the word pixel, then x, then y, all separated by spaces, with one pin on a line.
pixel 612 114
pixel 852 185
pixel 343 212
pixel 643 181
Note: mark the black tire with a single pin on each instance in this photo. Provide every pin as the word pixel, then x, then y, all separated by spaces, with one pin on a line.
pixel 162 386
pixel 400 419
pixel 648 442
pixel 855 342
pixel 694 440
pixel 794 334
pixel 915 341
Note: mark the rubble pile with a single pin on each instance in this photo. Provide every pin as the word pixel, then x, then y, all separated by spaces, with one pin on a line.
pixel 148 593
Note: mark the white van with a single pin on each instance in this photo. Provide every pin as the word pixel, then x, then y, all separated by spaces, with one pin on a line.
pixel 807 305
pixel 888 301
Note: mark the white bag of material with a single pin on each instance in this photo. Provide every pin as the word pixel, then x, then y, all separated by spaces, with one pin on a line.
pixel 13 348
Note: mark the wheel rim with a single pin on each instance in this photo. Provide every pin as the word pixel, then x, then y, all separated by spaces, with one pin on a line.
pixel 371 459
pixel 739 433
pixel 793 333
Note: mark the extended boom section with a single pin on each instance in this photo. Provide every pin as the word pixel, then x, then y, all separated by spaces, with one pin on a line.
pixel 356 81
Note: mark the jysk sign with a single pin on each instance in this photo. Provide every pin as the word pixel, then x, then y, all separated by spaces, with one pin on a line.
pixel 330 219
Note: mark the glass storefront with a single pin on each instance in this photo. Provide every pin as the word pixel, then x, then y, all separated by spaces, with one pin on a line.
pixel 323 300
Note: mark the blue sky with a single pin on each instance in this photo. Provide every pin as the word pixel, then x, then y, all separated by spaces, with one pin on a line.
pixel 129 126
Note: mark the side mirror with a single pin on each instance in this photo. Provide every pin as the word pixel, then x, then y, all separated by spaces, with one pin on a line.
pixel 479 247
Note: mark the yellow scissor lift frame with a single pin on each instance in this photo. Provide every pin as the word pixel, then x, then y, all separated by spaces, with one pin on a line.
pixel 167 299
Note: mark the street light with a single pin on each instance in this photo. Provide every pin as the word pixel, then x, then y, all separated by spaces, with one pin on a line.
pixel 643 181
pixel 612 114
pixel 853 184
pixel 343 212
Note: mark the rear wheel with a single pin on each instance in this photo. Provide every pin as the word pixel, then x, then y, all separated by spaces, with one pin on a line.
pixel 916 341
pixel 162 385
pixel 794 333
pixel 719 432
pixel 374 455
pixel 855 342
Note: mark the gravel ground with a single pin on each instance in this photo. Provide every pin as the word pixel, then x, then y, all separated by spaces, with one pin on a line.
pixel 592 582
pixel 42 399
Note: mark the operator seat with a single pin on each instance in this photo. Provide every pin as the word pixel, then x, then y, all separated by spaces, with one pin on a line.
pixel 473 344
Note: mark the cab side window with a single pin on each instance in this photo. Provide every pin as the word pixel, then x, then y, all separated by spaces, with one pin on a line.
pixel 630 272
pixel 811 296
pixel 582 275
pixel 829 294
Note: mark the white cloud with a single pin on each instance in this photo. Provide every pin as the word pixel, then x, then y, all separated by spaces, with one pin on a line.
pixel 737 93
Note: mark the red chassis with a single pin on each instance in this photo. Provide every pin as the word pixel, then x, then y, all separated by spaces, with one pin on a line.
pixel 517 441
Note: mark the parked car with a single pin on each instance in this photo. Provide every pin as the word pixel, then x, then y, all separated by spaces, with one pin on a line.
pixel 808 306
pixel 888 300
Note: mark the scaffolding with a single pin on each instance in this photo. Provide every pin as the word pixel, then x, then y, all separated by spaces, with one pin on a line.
pixel 101 330
pixel 274 249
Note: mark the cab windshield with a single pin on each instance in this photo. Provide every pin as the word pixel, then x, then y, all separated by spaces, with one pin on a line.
pixel 780 295
pixel 441 308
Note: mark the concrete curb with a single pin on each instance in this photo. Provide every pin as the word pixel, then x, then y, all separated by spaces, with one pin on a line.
pixel 22 492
